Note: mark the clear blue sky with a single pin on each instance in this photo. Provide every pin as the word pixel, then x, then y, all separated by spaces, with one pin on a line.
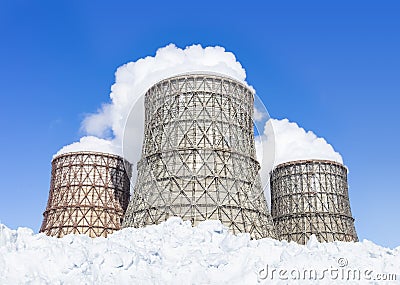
pixel 334 68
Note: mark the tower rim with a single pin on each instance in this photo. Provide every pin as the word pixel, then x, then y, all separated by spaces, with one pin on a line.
pixel 83 152
pixel 313 160
pixel 209 74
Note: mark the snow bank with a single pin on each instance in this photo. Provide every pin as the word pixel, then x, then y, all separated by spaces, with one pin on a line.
pixel 174 252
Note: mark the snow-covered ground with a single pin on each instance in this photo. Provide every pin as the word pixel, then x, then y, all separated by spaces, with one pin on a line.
pixel 174 252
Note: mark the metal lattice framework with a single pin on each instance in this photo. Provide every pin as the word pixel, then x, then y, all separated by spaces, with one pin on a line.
pixel 89 193
pixel 311 197
pixel 198 157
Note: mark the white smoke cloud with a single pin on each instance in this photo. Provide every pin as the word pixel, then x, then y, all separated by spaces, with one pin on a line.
pixel 121 121
pixel 133 79
pixel 91 143
pixel 259 115
pixel 294 143
pixel 290 142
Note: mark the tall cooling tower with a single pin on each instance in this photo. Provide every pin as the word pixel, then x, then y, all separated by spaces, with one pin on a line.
pixel 311 197
pixel 198 158
pixel 89 194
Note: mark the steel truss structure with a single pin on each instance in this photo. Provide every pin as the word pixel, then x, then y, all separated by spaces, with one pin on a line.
pixel 311 197
pixel 198 158
pixel 89 193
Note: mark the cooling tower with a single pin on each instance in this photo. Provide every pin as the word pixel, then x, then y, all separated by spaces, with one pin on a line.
pixel 311 197
pixel 89 193
pixel 198 158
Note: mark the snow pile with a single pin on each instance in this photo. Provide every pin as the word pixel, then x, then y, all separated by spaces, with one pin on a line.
pixel 174 252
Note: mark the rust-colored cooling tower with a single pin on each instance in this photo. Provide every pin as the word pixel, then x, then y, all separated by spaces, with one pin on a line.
pixel 89 194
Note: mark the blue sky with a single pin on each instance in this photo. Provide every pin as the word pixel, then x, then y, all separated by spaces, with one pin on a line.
pixel 334 68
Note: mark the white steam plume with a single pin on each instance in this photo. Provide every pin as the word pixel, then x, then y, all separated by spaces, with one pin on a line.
pixel 116 119
pixel 294 143
pixel 291 143
pixel 91 143
pixel 134 78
